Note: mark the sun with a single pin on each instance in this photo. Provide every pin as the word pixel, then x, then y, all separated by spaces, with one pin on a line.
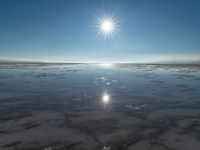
pixel 107 26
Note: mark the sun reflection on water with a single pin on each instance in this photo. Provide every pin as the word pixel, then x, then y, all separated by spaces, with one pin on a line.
pixel 106 101
pixel 107 65
pixel 105 98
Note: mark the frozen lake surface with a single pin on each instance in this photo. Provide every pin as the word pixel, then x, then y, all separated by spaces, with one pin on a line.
pixel 99 107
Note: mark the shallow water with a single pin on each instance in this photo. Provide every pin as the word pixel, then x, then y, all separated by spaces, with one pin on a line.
pixel 99 107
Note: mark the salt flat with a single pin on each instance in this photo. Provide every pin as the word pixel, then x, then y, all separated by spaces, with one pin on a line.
pixel 63 107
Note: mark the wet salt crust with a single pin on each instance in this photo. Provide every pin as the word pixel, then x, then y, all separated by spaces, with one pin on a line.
pixel 61 107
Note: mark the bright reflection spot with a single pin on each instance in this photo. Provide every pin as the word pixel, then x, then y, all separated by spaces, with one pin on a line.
pixel 106 98
pixel 106 102
pixel 107 65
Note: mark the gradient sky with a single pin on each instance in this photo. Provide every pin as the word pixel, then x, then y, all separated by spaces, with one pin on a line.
pixel 64 30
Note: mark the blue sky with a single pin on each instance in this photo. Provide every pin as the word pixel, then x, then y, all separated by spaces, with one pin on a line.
pixel 65 30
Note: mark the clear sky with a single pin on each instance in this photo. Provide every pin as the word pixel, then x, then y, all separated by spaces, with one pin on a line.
pixel 65 30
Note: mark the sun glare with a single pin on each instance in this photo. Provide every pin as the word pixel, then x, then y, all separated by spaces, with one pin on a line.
pixel 105 98
pixel 107 65
pixel 107 26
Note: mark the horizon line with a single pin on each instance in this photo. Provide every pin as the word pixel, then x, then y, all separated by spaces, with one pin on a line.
pixel 164 61
pixel 77 62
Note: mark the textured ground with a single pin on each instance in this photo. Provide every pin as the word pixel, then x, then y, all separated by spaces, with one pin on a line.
pixel 60 107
